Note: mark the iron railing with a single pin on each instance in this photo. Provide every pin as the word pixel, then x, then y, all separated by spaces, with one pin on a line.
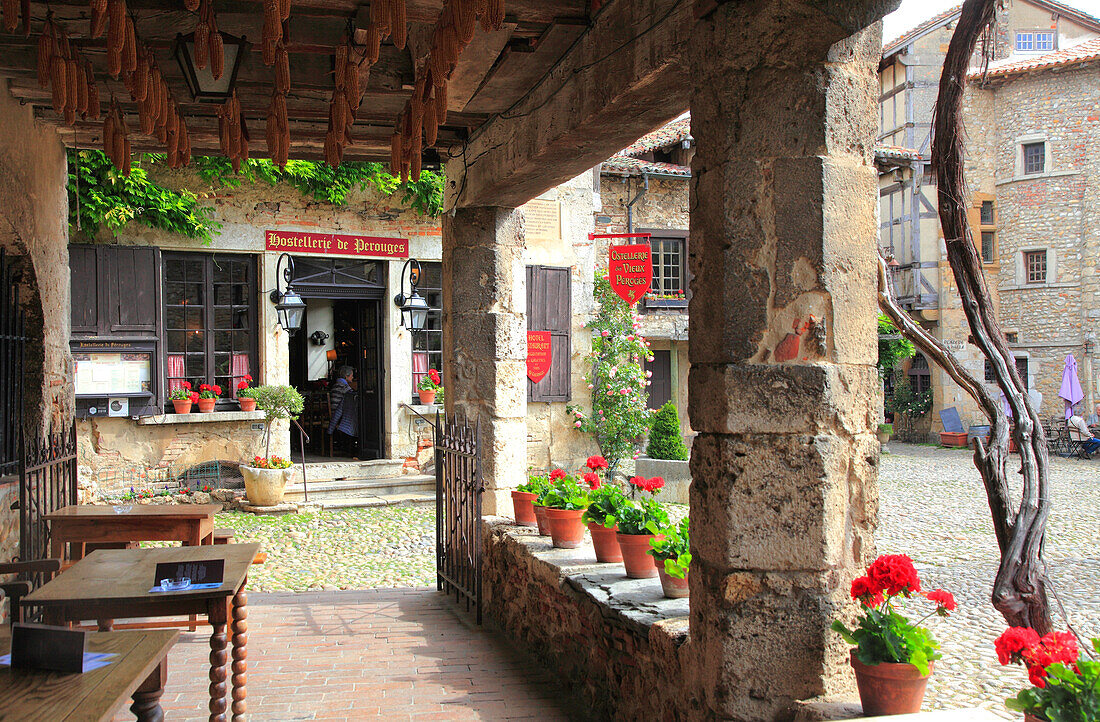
pixel 458 488
pixel 12 343
pixel 47 482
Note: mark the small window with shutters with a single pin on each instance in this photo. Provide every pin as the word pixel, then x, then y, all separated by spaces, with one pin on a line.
pixel 114 290
pixel 549 308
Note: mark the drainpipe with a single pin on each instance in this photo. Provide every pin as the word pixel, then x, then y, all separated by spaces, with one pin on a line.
pixel 630 205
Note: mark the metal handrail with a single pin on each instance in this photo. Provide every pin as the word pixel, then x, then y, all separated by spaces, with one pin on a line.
pixel 304 439
pixel 410 408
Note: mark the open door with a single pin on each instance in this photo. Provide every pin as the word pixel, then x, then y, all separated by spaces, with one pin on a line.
pixel 371 379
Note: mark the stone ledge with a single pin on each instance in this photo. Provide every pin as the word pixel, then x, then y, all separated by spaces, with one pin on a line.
pixel 638 604
pixel 827 709
pixel 212 417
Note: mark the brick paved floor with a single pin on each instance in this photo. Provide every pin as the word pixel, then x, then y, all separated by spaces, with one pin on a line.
pixel 390 654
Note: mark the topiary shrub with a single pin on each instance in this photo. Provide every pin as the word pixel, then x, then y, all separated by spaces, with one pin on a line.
pixel 665 441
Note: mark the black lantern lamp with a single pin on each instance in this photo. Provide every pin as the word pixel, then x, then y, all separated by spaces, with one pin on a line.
pixel 202 84
pixel 414 309
pixel 288 304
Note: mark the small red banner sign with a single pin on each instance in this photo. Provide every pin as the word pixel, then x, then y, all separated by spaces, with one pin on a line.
pixel 538 355
pixel 336 244
pixel 630 270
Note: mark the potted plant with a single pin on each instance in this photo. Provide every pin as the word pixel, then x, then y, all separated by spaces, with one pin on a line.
pixel 244 394
pixel 208 396
pixel 523 499
pixel 885 431
pixel 601 516
pixel 265 480
pixel 182 398
pixel 638 524
pixel 673 555
pixel 893 657
pixel 565 502
pixel 277 402
pixel 1066 685
pixel 428 385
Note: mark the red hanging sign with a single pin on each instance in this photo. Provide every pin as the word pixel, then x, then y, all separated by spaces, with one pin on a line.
pixel 630 270
pixel 538 355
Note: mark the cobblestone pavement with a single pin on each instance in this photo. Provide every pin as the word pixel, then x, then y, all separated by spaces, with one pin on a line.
pixel 933 508
pixel 392 546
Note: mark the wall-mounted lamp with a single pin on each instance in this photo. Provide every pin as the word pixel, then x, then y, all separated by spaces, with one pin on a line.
pixel 414 309
pixel 318 337
pixel 288 304
pixel 204 87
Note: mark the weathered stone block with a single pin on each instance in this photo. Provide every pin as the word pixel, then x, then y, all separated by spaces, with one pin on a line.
pixel 786 399
pixel 781 503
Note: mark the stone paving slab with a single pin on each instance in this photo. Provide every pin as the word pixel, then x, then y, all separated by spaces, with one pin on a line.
pixel 375 654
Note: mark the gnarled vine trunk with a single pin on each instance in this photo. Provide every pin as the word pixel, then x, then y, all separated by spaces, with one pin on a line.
pixel 1019 591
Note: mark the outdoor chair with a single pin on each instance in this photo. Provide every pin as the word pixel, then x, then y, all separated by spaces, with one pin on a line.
pixel 40 570
pixel 1055 442
pixel 1071 446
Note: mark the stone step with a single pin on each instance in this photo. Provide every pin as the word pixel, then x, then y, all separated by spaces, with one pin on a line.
pixel 346 470
pixel 362 502
pixel 360 488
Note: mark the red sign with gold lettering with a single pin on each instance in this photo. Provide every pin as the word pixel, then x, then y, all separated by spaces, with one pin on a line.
pixel 337 244
pixel 538 355
pixel 630 270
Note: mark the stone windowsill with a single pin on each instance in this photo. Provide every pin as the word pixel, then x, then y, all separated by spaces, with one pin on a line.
pixel 212 417
pixel 637 603
pixel 426 409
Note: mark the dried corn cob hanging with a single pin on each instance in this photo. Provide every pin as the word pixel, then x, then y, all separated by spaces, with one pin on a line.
pixel 282 69
pixel 373 43
pixel 213 48
pixel 381 16
pixel 395 149
pixel 99 18
pixel 116 35
pixel 45 53
pixel 399 28
pixel 11 15
pixel 284 9
pixel 94 110
pixel 272 30
pixel 494 15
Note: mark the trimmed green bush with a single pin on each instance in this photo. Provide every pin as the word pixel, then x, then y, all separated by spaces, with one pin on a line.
pixel 665 441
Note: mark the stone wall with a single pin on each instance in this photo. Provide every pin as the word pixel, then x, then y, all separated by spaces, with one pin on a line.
pixel 664 205
pixel 619 646
pixel 34 234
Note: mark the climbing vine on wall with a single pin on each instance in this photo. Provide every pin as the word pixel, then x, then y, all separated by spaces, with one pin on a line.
pixel 619 414
pixel 109 199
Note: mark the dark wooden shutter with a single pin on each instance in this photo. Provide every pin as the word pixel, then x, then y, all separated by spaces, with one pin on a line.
pixel 132 290
pixel 660 387
pixel 550 308
pixel 84 275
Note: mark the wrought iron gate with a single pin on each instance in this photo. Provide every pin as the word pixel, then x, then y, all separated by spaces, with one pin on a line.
pixel 458 488
pixel 47 482
pixel 12 343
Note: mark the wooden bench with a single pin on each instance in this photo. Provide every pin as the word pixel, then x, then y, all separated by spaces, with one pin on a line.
pixel 223 536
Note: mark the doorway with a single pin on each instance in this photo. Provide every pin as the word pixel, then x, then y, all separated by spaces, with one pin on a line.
pixel 342 330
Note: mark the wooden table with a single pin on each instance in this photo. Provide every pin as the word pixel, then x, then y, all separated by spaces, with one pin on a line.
pixel 192 524
pixel 112 584
pixel 139 671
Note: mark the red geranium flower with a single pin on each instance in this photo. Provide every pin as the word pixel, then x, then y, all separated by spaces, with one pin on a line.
pixel 194 397
pixel 1014 642
pixel 593 480
pixel 204 387
pixel 186 385
pixel 434 375
pixel 596 462
pixel 895 574
pixel 946 600
pixel 652 485
pixel 242 385
pixel 557 474
pixel 638 482
pixel 867 591
pixel 216 389
pixel 247 377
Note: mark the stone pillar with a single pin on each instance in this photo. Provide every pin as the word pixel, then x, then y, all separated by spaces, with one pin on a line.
pixel 485 340
pixel 783 387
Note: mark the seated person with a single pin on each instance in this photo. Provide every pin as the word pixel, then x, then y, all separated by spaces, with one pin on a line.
pixel 344 424
pixel 1093 419
pixel 1079 431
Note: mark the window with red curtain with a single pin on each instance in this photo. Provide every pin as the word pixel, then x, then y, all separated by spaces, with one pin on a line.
pixel 427 345
pixel 210 320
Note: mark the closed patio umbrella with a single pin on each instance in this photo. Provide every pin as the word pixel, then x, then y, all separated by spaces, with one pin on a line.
pixel 1071 386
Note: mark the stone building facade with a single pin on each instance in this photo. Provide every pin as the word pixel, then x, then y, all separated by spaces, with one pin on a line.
pixel 1041 88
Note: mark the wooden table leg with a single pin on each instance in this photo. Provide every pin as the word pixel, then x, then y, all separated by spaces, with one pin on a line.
pixel 193 539
pixel 105 625
pixel 146 706
pixel 240 655
pixel 57 546
pixel 217 614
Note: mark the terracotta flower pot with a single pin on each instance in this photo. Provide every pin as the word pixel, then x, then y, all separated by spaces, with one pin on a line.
pixel 207 405
pixel 638 561
pixel 674 588
pixel 566 528
pixel 263 487
pixel 523 503
pixel 247 404
pixel 426 396
pixel 605 543
pixel 181 406
pixel 541 521
pixel 890 687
